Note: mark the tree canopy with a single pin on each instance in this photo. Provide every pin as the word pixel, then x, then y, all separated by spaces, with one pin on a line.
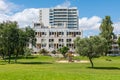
pixel 63 50
pixel 106 29
pixel 90 47
pixel 13 40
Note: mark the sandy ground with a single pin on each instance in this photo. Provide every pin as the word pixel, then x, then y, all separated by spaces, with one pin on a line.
pixel 75 61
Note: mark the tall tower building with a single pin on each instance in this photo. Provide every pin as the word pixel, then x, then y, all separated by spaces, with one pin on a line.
pixel 59 17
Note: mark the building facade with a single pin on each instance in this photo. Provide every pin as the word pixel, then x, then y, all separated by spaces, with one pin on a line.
pixel 59 17
pixel 115 49
pixel 57 27
pixel 54 38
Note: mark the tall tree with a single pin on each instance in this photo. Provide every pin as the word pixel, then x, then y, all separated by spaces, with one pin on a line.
pixel 13 40
pixel 9 37
pixel 31 36
pixel 90 47
pixel 22 42
pixel 106 29
pixel 26 37
pixel 1 42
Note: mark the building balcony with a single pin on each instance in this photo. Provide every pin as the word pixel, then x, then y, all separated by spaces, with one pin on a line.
pixel 52 36
pixel 115 45
pixel 115 50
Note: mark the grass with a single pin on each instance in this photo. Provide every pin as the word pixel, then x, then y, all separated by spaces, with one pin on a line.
pixel 45 68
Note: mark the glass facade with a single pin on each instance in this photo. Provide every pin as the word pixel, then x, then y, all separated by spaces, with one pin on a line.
pixel 67 17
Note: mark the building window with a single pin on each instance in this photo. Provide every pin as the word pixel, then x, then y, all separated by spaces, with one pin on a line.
pixel 78 33
pixel 43 33
pixel 43 40
pixel 43 45
pixel 61 45
pixel 38 46
pixel 51 33
pixel 51 40
pixel 61 33
pixel 51 45
pixel 68 40
pixel 35 33
pixel 61 40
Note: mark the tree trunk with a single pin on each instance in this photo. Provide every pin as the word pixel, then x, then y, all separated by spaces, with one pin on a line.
pixel 16 58
pixel 3 56
pixel 63 55
pixel 9 57
pixel 92 65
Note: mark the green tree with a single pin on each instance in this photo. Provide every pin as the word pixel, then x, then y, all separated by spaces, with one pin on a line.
pixel 54 52
pixel 2 54
pixel 26 37
pixel 63 50
pixel 43 51
pixel 9 37
pixel 27 52
pixel 23 40
pixel 90 47
pixel 106 29
pixel 13 40
pixel 31 36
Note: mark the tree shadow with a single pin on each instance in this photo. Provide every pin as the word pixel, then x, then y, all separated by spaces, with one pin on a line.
pixel 30 57
pixel 105 68
pixel 22 57
pixel 2 64
pixel 34 62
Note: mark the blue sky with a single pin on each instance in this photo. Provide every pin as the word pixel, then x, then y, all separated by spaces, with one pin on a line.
pixel 91 12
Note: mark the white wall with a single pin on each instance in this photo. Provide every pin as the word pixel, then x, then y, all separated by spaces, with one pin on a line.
pixel 45 16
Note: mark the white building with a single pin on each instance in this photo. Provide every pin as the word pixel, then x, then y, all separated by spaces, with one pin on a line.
pixel 59 17
pixel 54 38
pixel 58 27
pixel 115 47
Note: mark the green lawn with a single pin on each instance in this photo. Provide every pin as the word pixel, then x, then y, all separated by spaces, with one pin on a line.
pixel 45 68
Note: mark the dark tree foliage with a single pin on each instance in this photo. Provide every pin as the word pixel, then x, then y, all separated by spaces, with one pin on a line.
pixel 13 40
pixel 43 51
pixel 106 29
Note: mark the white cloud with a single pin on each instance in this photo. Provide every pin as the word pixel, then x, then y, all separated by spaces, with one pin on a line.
pixel 3 17
pixel 26 17
pixel 7 7
pixel 92 23
pixel 116 27
pixel 65 4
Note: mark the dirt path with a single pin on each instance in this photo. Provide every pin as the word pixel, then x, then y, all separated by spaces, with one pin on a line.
pixel 75 61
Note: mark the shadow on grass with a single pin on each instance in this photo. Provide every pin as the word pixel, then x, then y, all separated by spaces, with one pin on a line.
pixel 34 62
pixel 30 57
pixel 105 68
pixel 22 57
pixel 2 64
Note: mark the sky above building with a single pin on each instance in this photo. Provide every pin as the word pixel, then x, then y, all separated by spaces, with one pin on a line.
pixel 91 12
